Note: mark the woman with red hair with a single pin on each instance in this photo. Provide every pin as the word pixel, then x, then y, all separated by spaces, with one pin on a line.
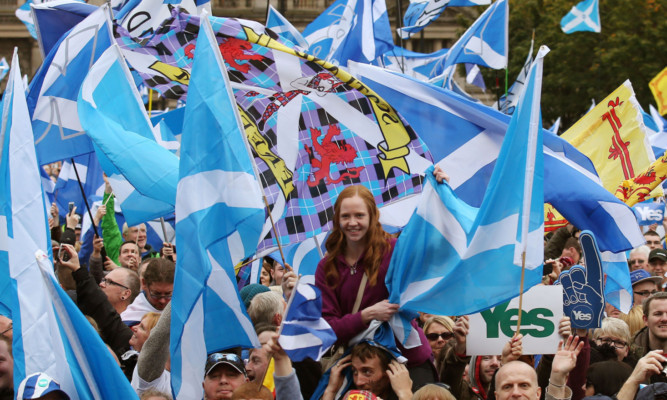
pixel 359 250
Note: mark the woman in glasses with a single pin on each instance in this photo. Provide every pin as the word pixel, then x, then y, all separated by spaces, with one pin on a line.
pixel 438 331
pixel 352 273
pixel 613 337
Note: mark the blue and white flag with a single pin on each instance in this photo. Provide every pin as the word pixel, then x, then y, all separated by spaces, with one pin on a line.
pixel 4 67
pixel 55 18
pixel 649 212
pixel 484 43
pixel 448 249
pixel 474 76
pixel 280 25
pixel 554 128
pixel 54 89
pixel 143 17
pixel 24 15
pixel 617 285
pixel 305 334
pixel 585 16
pixel 467 145
pixel 50 333
pixel 420 13
pixel 219 219
pixel 350 30
pixel 303 257
pixel 417 65
pixel 67 187
pixel 507 102
pixel 48 186
pixel 111 111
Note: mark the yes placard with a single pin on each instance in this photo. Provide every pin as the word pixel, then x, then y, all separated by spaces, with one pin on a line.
pixel 542 312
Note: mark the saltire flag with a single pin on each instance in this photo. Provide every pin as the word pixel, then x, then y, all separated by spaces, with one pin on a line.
pixel 420 13
pixel 448 247
pixel 48 186
pixel 280 25
pixel 67 186
pixel 584 16
pixel 219 217
pixel 484 43
pixel 474 76
pixel 54 89
pixel 658 86
pixel 612 136
pixel 313 127
pixel 111 111
pixel 423 66
pixel 50 333
pixel 55 18
pixel 303 257
pixel 4 67
pixel 24 15
pixel 467 145
pixel 617 284
pixel 508 101
pixel 350 30
pixel 305 334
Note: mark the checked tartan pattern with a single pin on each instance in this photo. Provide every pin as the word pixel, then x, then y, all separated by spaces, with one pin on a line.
pixel 313 129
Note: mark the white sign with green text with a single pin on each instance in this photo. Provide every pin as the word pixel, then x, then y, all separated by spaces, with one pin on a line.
pixel 542 311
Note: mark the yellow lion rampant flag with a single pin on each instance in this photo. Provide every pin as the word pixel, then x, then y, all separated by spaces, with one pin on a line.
pixel 658 86
pixel 637 189
pixel 612 136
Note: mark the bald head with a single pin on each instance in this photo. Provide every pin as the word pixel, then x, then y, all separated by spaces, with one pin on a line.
pixel 517 379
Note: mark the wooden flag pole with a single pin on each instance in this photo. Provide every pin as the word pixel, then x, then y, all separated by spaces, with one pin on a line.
pixel 275 232
pixel 523 273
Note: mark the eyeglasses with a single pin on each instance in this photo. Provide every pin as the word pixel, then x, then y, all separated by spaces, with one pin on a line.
pixel 645 293
pixel 159 296
pixel 443 335
pixel 108 281
pixel 619 344
pixel 11 326
pixel 633 262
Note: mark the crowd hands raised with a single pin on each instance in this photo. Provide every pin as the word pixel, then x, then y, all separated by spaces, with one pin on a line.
pixel 125 289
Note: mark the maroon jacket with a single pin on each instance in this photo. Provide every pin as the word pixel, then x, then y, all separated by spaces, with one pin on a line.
pixel 337 304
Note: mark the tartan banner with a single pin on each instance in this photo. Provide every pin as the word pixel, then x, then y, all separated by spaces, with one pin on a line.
pixel 313 128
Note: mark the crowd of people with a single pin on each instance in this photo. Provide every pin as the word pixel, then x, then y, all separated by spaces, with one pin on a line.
pixel 125 288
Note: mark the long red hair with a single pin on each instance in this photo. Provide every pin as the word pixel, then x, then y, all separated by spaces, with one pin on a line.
pixel 375 239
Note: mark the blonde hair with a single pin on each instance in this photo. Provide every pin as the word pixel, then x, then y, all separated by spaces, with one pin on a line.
pixel 635 319
pixel 439 319
pixel 433 392
pixel 615 327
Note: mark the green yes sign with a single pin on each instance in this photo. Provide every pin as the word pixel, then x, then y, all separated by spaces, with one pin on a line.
pixel 535 322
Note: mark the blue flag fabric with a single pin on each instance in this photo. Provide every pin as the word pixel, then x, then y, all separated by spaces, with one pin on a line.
pixel 113 115
pixel 350 30
pixel 507 102
pixel 484 43
pixel 220 214
pixel 468 143
pixel 50 334
pixel 303 257
pixel 421 13
pixel 280 25
pixel 24 15
pixel 417 65
pixel 305 333
pixel 54 19
pixel 4 67
pixel 54 90
pixel 448 247
pixel 585 16
pixel 67 187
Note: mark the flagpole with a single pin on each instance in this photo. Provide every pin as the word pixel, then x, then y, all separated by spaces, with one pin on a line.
pixel 523 273
pixel 399 18
pixel 319 247
pixel 90 214
pixel 280 330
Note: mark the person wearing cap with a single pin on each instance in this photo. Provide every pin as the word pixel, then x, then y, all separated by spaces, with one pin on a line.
pixel 643 285
pixel 224 373
pixel 657 259
pixel 40 386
